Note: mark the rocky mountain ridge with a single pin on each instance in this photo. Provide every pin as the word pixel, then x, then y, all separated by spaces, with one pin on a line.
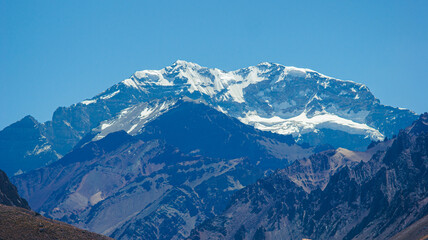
pixel 180 170
pixel 370 199
pixel 312 107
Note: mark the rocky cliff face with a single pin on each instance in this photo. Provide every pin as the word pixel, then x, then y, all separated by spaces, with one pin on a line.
pixel 372 199
pixel 8 193
pixel 179 171
pixel 314 108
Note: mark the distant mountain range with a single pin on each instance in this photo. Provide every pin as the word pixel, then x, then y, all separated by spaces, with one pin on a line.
pixel 264 152
pixel 184 166
pixel 179 171
pixel 314 108
pixel 335 194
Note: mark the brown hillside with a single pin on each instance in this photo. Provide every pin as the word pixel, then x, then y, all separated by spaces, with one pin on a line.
pixel 18 223
pixel 416 231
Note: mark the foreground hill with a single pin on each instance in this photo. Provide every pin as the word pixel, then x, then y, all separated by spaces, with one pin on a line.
pixel 17 221
pixel 359 198
pixel 179 171
pixel 314 108
pixel 22 224
pixel 417 231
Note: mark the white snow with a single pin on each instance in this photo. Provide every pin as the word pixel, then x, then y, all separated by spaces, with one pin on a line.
pixel 316 97
pixel 133 118
pixel 298 72
pixel 43 149
pixel 110 95
pixel 87 102
pixel 196 81
pixel 235 91
pixel 230 87
pixel 303 124
pixel 325 84
pixel 40 149
pixel 130 83
pixel 146 112
pixel 153 77
pixel 105 125
pixel 132 128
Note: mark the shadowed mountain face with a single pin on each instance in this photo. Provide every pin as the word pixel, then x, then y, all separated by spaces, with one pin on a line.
pixel 312 107
pixel 8 193
pixel 24 147
pixel 179 171
pixel 190 125
pixel 338 195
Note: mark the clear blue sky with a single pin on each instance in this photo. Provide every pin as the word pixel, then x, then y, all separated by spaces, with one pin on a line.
pixel 56 53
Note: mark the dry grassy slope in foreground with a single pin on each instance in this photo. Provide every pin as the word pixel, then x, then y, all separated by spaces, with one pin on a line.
pixel 18 223
pixel 417 231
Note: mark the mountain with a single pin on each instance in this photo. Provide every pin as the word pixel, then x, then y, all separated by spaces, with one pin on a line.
pixel 314 108
pixel 19 223
pixel 23 146
pixel 9 194
pixel 339 195
pixel 180 170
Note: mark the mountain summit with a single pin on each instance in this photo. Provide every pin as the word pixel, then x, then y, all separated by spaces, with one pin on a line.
pixel 312 107
pixel 273 97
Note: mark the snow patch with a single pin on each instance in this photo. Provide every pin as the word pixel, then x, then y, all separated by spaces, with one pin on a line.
pixel 302 124
pixel 19 172
pixel 146 112
pixel 132 128
pixel 154 77
pixel 87 102
pixel 105 125
pixel 235 184
pixel 110 95
pixel 130 83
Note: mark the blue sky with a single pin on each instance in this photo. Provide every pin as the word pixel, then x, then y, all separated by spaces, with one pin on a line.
pixel 56 53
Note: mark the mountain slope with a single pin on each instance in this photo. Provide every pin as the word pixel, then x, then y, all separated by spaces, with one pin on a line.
pixel 18 223
pixel 23 146
pixel 180 170
pixel 372 199
pixel 9 194
pixel 312 107
pixel 418 230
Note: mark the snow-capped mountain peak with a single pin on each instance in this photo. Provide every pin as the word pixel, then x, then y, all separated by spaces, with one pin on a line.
pixel 312 107
pixel 272 97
